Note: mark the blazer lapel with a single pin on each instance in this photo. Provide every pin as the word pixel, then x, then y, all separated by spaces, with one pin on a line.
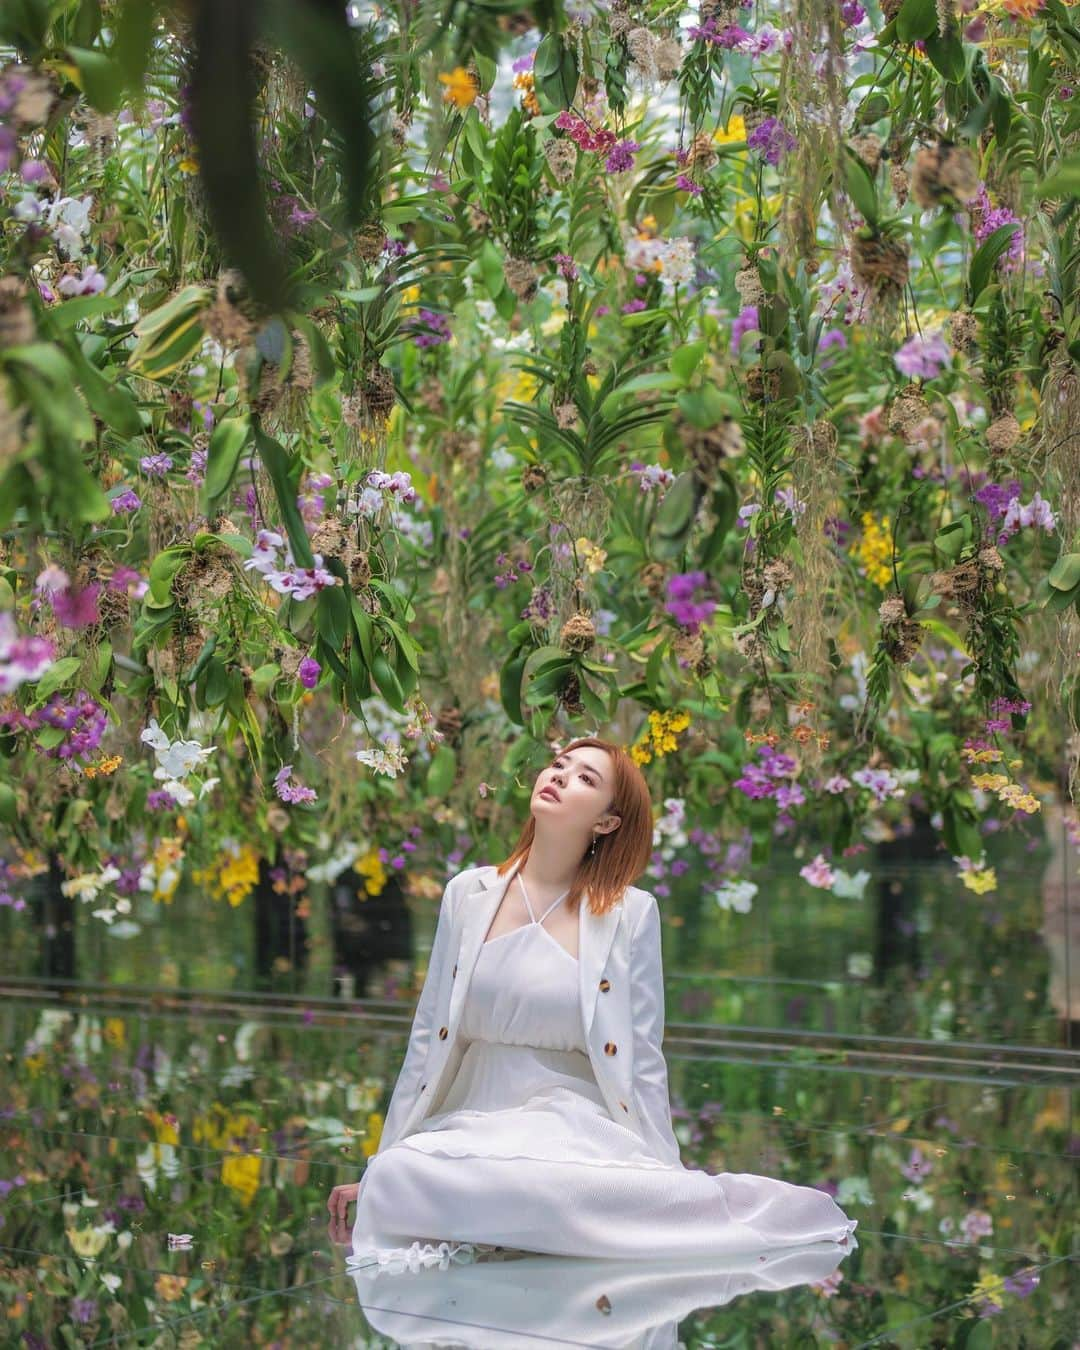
pixel 596 932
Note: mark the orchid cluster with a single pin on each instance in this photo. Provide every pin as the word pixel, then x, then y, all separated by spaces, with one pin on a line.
pixel 371 498
pixel 88 886
pixel 74 606
pixel 299 582
pixel 1002 502
pixel 388 759
pixel 672 259
pixel 23 659
pixel 923 356
pixel 71 728
pixel 772 777
pixel 292 792
pixel 176 760
pixel 687 602
pixel 652 476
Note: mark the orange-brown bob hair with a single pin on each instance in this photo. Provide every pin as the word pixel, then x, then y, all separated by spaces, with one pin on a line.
pixel 622 855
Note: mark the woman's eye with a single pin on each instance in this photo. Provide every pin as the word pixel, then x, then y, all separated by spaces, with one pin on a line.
pixel 581 775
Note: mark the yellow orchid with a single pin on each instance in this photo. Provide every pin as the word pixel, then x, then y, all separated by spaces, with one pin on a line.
pixel 461 88
pixel 734 131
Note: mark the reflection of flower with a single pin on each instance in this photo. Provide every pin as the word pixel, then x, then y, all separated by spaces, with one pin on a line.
pixel 917 1167
pixel 854 1191
pixel 737 895
pixel 89 1241
pixel 976 1224
pixel 818 873
pixel 828 1287
pixel 170 1287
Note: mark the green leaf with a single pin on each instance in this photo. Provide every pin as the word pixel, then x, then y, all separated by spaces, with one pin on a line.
pixel 643 317
pixel 947 56
pixel 986 256
pixel 332 615
pixel 686 359
pixel 217 683
pixel 510 687
pixel 45 358
pixel 264 679
pixel 916 19
pixel 555 73
pixel 952 538
pixel 57 674
pixel 8 804
pixel 948 634
pixel 134 37
pixel 278 467
pixel 652 667
pixel 364 628
pixel 111 402
pixel 162 570
pixel 675 514
pixel 322 359
pixel 860 186
pixel 1063 181
pixel 382 672
pixel 1065 573
pixel 100 78
pixel 441 772
pixel 227 442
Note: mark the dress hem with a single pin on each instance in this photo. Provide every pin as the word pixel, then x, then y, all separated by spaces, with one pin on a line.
pixel 423 1255
pixel 443 1152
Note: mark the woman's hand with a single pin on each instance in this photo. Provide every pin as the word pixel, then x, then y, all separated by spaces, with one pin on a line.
pixel 341 1197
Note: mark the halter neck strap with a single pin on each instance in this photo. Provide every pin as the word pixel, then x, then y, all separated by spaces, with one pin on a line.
pixel 528 906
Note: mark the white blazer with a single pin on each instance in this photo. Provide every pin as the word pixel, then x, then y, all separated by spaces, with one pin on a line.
pixel 620 988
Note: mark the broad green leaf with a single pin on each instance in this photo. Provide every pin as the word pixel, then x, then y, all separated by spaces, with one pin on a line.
pixel 441 772
pixel 227 442
pixel 947 56
pixel 916 19
pixel 1065 573
pixel 1063 181
pixel 986 256
pixel 100 78
pixel 57 675
pixel 277 465
pixel 686 359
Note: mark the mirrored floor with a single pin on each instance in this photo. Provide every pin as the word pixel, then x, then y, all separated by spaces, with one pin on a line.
pixel 164 1182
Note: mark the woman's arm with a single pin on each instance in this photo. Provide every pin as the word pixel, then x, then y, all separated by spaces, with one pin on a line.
pixel 650 1067
pixel 409 1078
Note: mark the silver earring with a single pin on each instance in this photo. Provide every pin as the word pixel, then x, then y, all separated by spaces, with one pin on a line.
pixel 593 849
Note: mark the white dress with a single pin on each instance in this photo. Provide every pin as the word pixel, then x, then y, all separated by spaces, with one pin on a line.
pixel 524 1154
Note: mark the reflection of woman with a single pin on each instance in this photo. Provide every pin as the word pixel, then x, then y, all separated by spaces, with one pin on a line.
pixel 537 1302
pixel 532 1110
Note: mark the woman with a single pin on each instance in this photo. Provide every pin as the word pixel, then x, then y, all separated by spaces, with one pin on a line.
pixel 532 1110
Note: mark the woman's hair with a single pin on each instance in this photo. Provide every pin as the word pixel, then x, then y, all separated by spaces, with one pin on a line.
pixel 622 855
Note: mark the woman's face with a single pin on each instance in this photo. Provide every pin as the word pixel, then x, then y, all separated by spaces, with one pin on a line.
pixel 575 787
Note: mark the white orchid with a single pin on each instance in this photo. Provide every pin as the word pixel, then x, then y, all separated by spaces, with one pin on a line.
pixel 154 736
pixel 737 895
pixel 181 795
pixel 181 758
pixel 849 887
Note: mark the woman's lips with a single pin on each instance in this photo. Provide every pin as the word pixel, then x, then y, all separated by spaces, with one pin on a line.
pixel 551 793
